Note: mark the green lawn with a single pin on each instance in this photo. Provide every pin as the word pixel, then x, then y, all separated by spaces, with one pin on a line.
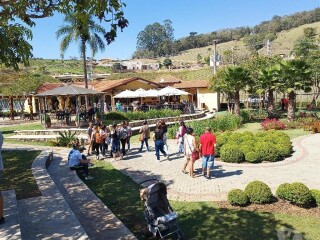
pixel 198 220
pixel 8 131
pixel 18 174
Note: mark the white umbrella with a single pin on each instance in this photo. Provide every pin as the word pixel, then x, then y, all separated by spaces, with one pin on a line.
pixel 140 93
pixel 125 94
pixel 152 93
pixel 171 91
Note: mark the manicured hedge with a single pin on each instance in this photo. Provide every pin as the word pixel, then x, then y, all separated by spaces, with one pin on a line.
pixel 264 146
pixel 258 192
pixel 238 197
pixel 296 193
pixel 222 123
pixel 151 114
pixel 316 196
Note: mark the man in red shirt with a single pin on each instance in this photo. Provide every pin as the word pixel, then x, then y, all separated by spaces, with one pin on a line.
pixel 207 144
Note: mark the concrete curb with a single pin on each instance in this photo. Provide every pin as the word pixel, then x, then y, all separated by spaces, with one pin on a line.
pixel 11 228
pixel 48 216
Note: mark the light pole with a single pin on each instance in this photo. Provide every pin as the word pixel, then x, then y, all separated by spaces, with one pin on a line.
pixel 214 56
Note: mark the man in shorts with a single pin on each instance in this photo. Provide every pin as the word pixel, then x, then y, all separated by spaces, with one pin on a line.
pixel 207 144
pixel 2 220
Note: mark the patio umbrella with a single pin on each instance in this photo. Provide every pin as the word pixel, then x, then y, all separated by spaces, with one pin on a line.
pixel 171 91
pixel 125 94
pixel 152 93
pixel 140 93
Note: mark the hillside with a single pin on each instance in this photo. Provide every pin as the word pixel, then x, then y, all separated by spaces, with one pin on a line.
pixel 283 44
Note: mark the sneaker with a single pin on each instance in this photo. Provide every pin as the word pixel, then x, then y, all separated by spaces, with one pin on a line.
pixel 158 161
pixel 90 164
pixel 2 220
pixel 89 177
pixel 97 157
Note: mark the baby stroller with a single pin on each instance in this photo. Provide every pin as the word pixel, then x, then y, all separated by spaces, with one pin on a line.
pixel 161 219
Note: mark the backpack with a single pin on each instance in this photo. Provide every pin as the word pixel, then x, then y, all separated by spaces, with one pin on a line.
pixel 123 133
pixel 98 138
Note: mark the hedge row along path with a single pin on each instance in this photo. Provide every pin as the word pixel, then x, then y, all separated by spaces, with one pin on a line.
pixel 303 166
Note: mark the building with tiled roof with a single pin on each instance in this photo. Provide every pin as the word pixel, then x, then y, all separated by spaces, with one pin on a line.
pixel 198 89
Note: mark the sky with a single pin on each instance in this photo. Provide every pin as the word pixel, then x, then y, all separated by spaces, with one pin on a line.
pixel 201 16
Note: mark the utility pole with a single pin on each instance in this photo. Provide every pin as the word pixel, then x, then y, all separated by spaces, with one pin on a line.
pixel 214 56
pixel 268 48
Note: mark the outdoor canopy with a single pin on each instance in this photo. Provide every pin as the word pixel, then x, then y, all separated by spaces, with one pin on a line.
pixel 167 91
pixel 68 90
pixel 125 94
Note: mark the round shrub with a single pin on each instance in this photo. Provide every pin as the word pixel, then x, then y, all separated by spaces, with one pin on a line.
pixel 296 193
pixel 283 149
pixel 283 191
pixel 299 194
pixel 238 197
pixel 258 192
pixel 236 138
pixel 316 196
pixel 231 153
pixel 267 151
pixel 252 157
pixel 246 148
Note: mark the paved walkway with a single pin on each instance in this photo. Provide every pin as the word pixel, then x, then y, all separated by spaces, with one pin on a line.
pixel 302 166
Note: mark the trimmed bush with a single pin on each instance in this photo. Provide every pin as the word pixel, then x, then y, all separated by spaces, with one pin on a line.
pixel 283 191
pixel 231 153
pixel 114 116
pixel 238 197
pixel 296 193
pixel 258 192
pixel 267 151
pixel 316 196
pixel 252 157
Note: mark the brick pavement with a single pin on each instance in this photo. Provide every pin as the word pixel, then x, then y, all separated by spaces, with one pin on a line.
pixel 302 166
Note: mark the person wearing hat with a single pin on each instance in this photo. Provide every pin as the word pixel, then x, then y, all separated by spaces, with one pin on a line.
pixel 77 159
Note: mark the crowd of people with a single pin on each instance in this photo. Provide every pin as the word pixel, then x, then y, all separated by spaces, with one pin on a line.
pixel 114 141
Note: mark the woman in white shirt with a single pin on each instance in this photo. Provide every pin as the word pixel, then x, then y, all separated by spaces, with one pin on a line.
pixel 189 147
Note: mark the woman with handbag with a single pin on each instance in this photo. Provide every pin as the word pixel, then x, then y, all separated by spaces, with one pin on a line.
pixel 191 151
pixel 144 135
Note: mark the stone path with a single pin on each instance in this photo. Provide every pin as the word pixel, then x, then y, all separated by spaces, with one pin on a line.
pixel 302 166
pixel 98 222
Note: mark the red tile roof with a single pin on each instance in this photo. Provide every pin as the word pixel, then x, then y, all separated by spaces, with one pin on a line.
pixel 167 79
pixel 106 85
pixel 47 86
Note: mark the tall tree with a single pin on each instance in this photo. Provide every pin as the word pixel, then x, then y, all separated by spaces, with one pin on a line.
pixel 294 75
pixel 267 82
pixel 83 30
pixel 14 48
pixel 231 80
pixel 156 39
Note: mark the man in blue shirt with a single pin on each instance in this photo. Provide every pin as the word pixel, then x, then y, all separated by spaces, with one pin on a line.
pixel 77 159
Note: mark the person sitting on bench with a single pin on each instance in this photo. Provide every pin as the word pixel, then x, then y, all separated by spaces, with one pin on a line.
pixel 78 160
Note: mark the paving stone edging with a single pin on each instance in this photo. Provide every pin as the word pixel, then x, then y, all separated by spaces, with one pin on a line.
pixel 65 223
pixel 11 228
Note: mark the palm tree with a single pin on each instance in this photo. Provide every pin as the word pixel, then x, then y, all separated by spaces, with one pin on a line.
pixel 231 80
pixel 294 75
pixel 81 29
pixel 267 82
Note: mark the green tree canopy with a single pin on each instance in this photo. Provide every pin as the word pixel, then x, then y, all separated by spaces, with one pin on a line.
pixel 15 49
pixel 230 80
pixel 82 29
pixel 156 39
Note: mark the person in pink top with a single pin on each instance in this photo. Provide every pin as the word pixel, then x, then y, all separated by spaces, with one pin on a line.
pixel 207 144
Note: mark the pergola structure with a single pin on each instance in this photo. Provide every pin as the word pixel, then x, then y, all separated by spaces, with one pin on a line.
pixel 68 91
